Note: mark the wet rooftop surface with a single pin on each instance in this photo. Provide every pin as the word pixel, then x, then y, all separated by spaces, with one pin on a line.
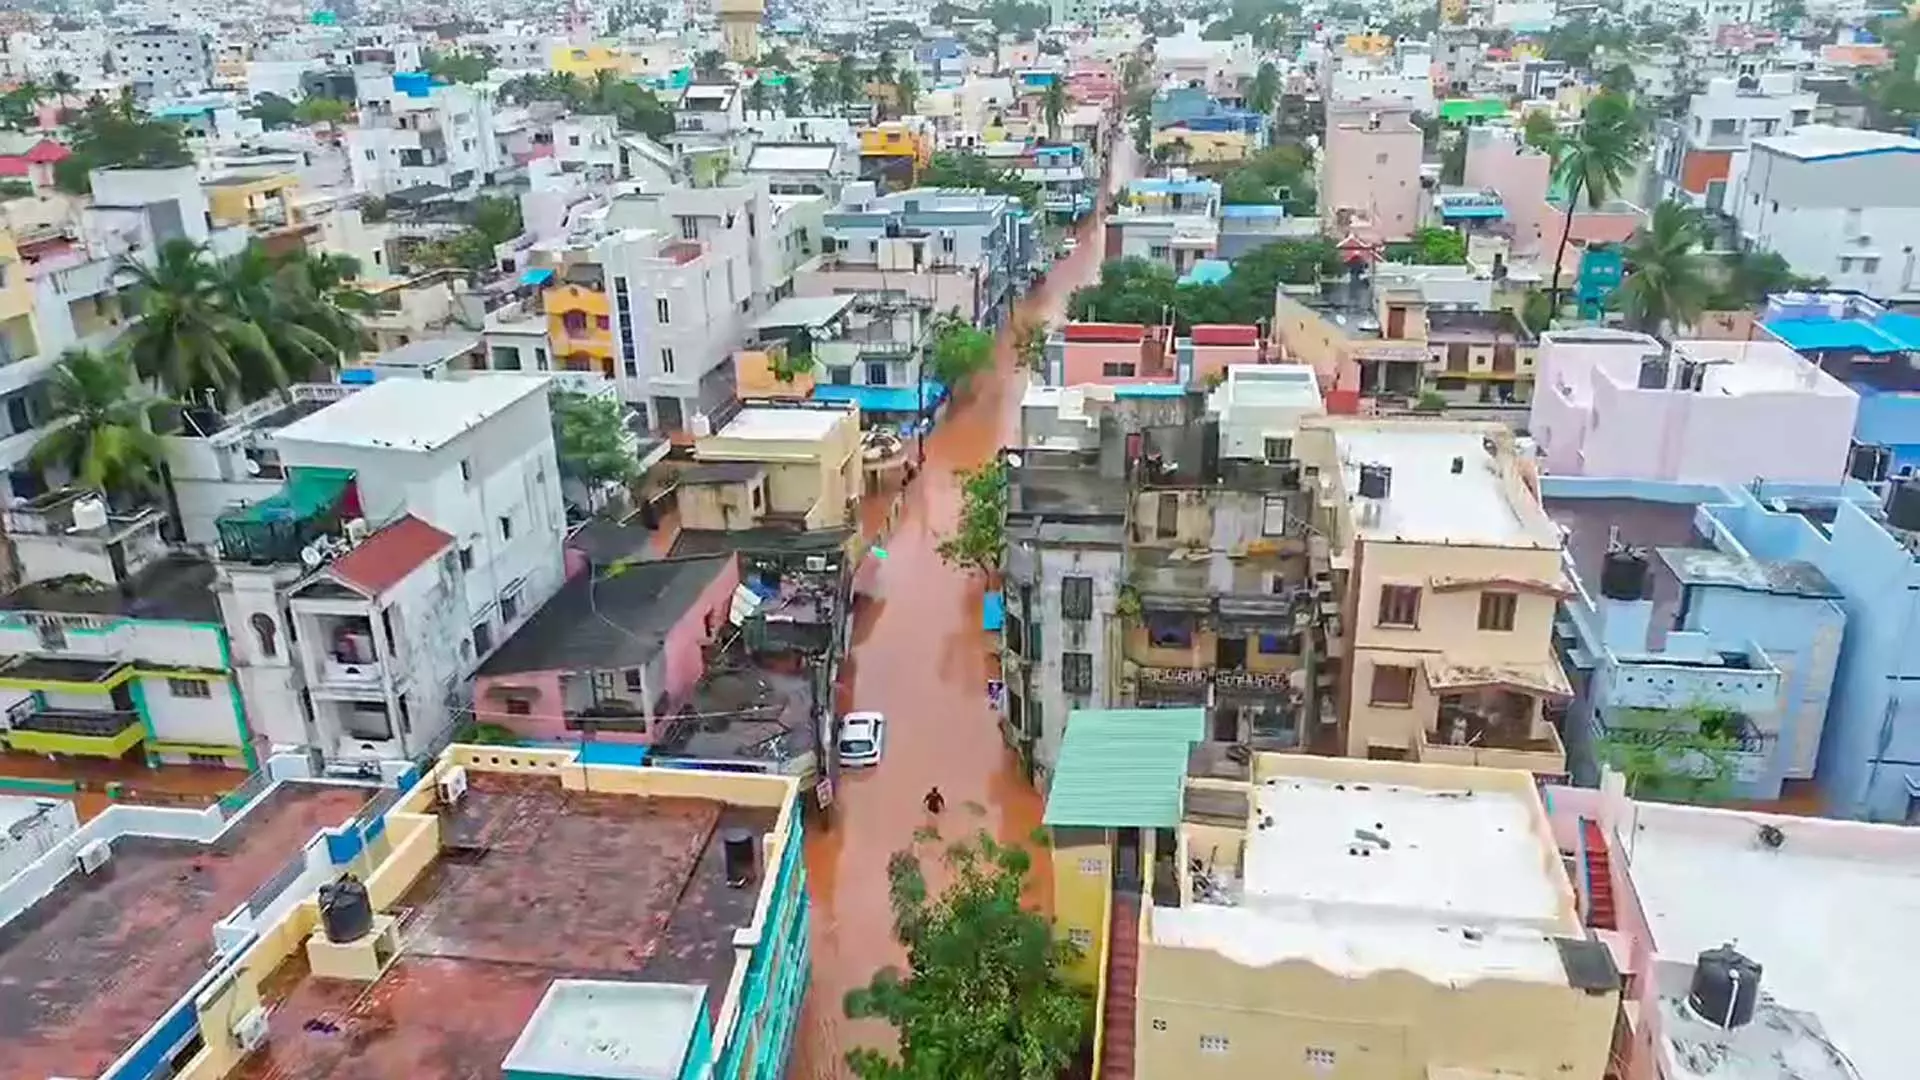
pixel 1642 525
pixel 537 884
pixel 93 965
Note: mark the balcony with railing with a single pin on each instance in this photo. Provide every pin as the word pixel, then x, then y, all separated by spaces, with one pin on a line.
pixel 342 661
pixel 1496 728
pixel 34 727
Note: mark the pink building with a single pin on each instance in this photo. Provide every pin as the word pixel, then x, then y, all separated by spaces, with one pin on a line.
pixel 1092 83
pixel 1661 885
pixel 609 656
pixel 1204 355
pixel 1609 403
pixel 1084 353
pixel 1499 160
pixel 1371 177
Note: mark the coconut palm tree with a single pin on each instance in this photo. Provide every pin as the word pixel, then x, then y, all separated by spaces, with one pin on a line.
pixel 848 82
pixel 824 87
pixel 306 335
pixel 188 339
pixel 1053 105
pixel 1594 161
pixel 906 91
pixel 1264 94
pixel 1666 286
pixel 793 96
pixel 100 433
pixel 758 97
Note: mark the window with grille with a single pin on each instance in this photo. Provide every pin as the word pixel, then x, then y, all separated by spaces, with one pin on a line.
pixel 1320 1059
pixel 1399 605
pixel 1392 685
pixel 1076 672
pixel 1279 449
pixel 1497 609
pixel 1076 597
pixel 1214 1044
pixel 188 688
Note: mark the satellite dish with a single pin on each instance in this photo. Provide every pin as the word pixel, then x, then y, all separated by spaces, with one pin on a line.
pixel 311 555
pixel 253 467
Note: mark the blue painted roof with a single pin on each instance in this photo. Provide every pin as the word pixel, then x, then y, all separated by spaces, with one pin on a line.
pixel 176 112
pixel 1149 390
pixel 537 275
pixel 1476 211
pixel 1208 272
pixel 1892 332
pixel 1162 186
pixel 1261 210
pixel 416 84
pixel 886 399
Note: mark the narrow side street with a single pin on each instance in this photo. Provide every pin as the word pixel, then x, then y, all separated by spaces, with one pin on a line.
pixel 920 656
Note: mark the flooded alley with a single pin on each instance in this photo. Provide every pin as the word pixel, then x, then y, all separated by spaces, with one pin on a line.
pixel 921 657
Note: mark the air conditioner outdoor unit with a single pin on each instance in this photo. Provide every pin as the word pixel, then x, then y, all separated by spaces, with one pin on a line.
pixel 816 563
pixel 251 1030
pixel 93 855
pixel 453 786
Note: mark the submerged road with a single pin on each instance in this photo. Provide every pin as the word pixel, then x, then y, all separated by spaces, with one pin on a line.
pixel 920 657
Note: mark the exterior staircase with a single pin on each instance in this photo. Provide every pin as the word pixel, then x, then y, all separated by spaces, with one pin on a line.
pixel 1123 968
pixel 1593 843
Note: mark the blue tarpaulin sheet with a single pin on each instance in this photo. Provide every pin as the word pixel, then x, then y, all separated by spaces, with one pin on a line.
pixel 884 399
pixel 993 612
pixel 538 275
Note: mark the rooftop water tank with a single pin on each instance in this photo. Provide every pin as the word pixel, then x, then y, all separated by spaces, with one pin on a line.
pixel 1725 987
pixel 1623 576
pixel 345 911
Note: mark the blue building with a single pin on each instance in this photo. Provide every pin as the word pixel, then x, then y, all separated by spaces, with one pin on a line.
pixel 1197 110
pixel 1874 351
pixel 957 250
pixel 1671 617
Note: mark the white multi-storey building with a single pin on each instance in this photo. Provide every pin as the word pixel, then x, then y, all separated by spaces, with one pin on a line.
pixel 1837 203
pixel 414 131
pixel 419 526
pixel 162 61
pixel 1702 156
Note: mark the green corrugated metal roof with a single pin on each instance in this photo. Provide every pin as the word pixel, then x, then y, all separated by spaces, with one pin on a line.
pixel 1123 768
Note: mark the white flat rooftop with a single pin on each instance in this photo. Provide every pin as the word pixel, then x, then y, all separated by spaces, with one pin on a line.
pixel 781 425
pixel 1427 502
pixel 608 1031
pixel 1281 385
pixel 1829 915
pixel 1816 141
pixel 1451 885
pixel 1758 367
pixel 411 414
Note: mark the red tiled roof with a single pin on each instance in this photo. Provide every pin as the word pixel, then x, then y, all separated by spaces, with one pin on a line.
pixel 1102 331
pixel 47 152
pixel 384 558
pixel 1226 334
pixel 14 165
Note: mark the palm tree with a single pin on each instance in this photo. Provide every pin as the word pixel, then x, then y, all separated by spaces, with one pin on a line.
pixel 1666 285
pixel 100 432
pixel 847 81
pixel 824 87
pixel 709 64
pixel 758 97
pixel 1595 160
pixel 307 334
pixel 793 96
pixel 883 69
pixel 187 339
pixel 1053 105
pixel 906 91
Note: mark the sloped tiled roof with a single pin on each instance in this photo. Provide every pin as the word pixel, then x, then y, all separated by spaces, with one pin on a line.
pixel 386 557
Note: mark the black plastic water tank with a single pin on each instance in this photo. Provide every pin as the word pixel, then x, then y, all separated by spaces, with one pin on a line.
pixel 737 851
pixel 1623 576
pixel 1375 481
pixel 1903 505
pixel 1725 987
pixel 1653 373
pixel 1868 462
pixel 345 910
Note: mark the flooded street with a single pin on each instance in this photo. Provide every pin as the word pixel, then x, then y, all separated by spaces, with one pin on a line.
pixel 920 656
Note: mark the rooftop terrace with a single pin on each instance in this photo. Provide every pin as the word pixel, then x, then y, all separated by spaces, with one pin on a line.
pixel 1431 502
pixel 534 883
pixel 89 967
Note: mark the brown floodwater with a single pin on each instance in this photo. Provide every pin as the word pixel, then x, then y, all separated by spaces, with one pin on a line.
pixel 920 656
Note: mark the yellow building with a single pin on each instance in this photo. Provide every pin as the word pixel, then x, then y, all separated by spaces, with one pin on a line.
pixel 792 463
pixel 580 326
pixel 894 153
pixel 253 202
pixel 1184 147
pixel 1235 922
pixel 588 61
pixel 740 28
pixel 19 338
pixel 1368 44
pixel 1452 575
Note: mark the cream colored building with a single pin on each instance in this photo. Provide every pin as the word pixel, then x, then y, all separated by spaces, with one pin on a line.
pixel 792 463
pixel 1290 917
pixel 1452 574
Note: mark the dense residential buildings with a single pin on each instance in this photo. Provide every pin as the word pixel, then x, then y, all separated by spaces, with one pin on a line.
pixel 1704 155
pixel 1836 204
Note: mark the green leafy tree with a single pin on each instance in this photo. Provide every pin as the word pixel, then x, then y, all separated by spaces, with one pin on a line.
pixel 16 189
pixel 1540 131
pixel 979 539
pixel 960 351
pixel 20 107
pixel 985 994
pixel 1432 245
pixel 321 110
pixel 959 169
pixel 101 434
pixel 306 337
pixel 1053 105
pixel 793 96
pixel 759 98
pixel 710 64
pixel 794 358
pixel 824 86
pixel 1619 80
pixel 906 92
pixel 590 438
pixel 1264 95
pixel 1453 159
pixel 1282 175
pixel 1689 754
pixel 274 112
pixel 113 135
pixel 459 66
pixel 849 83
pixel 469 249
pixel 1536 312
pixel 1666 284
pixel 1030 343
pixel 498 218
pixel 1594 161
pixel 1749 277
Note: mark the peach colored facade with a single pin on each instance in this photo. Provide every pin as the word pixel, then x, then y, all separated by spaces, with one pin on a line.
pixel 1371 175
pixel 1497 159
